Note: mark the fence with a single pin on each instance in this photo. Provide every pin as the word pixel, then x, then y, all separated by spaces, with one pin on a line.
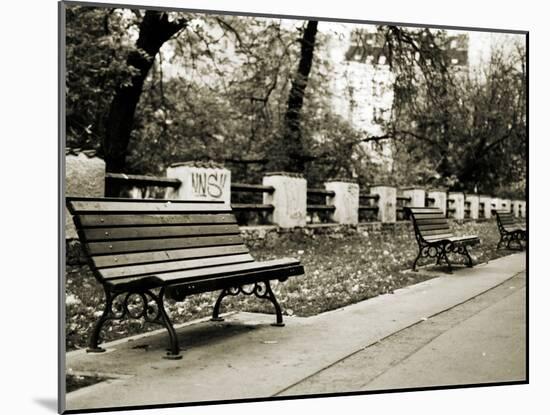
pixel 285 200
pixel 254 211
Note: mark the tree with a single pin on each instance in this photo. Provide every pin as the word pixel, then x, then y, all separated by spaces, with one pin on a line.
pixel 226 102
pixel 106 71
pixel 97 47
pixel 289 153
pixel 452 125
pixel 154 30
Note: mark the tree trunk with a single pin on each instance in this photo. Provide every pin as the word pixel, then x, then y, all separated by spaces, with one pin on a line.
pixel 154 30
pixel 289 154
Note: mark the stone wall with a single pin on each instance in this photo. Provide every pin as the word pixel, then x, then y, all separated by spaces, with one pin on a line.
pixel 84 176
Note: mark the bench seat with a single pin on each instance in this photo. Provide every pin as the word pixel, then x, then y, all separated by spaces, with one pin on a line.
pixel 435 238
pixel 192 279
pixel 148 249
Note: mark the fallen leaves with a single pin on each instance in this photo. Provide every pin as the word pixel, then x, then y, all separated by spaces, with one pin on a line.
pixel 338 272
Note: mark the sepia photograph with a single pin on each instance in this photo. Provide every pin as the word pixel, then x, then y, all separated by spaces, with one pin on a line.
pixel 260 207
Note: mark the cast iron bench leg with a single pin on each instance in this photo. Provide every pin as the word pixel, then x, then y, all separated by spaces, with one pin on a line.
pixel 174 352
pixel 421 249
pixel 93 346
pixel 261 290
pixel 443 255
pixel 273 299
pixel 216 312
pixel 467 254
pixel 502 240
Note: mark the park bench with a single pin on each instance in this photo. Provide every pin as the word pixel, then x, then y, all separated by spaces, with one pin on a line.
pixel 435 238
pixel 510 230
pixel 142 251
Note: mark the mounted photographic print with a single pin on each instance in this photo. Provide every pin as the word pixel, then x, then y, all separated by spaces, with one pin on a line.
pixel 261 207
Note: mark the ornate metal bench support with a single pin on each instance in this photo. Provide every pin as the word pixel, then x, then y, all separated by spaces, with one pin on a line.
pixel 261 289
pixel 135 305
pixel 515 237
pixel 443 254
pixel 461 249
pixel 427 251
pixel 440 252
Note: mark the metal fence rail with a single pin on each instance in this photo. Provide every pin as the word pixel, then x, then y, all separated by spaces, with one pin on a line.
pixel 252 188
pixel 138 180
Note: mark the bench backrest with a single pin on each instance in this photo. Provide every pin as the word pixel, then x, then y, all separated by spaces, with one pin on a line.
pixel 505 219
pixel 131 237
pixel 430 224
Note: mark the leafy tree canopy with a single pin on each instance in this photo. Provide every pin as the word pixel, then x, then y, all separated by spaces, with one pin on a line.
pixel 221 88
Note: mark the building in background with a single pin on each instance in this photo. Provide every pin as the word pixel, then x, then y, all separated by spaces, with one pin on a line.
pixel 362 82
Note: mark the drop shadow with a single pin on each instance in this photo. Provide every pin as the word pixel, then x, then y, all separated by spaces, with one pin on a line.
pixel 48 403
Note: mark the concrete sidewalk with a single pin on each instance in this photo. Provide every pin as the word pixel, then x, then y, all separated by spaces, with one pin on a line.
pixel 382 343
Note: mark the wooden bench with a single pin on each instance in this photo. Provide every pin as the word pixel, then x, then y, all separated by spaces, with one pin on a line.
pixel 435 238
pixel 143 250
pixel 510 230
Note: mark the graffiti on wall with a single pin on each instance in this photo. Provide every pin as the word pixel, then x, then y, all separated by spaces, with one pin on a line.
pixel 207 184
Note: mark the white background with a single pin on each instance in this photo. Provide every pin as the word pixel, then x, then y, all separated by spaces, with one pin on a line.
pixel 29 137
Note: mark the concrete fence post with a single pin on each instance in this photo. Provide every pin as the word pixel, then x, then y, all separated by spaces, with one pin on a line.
pixel 387 202
pixel 496 203
pixel 456 205
pixel 345 200
pixel 439 197
pixel 474 205
pixel 206 181
pixel 506 204
pixel 289 199
pixel 486 203
pixel 84 176
pixel 516 206
pixel 522 209
pixel 417 196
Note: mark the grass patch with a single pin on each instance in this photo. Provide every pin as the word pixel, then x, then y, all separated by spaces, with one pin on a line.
pixel 74 382
pixel 339 271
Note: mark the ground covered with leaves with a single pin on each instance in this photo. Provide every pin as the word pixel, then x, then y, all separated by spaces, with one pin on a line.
pixel 340 270
pixel 74 382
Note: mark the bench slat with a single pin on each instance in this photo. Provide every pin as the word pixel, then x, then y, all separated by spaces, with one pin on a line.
pixel 104 261
pixel 106 234
pixel 155 219
pixel 432 238
pixel 436 232
pixel 514 228
pixel 162 267
pixel 136 205
pixel 429 216
pixel 464 238
pixel 429 221
pixel 452 238
pixel 144 245
pixel 228 270
pixel 427 227
pixel 211 283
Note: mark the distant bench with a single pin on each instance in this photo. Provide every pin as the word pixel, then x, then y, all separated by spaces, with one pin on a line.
pixel 510 230
pixel 142 250
pixel 435 238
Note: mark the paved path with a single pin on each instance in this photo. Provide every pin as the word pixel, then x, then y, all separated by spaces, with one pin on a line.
pixel 480 341
pixel 244 357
